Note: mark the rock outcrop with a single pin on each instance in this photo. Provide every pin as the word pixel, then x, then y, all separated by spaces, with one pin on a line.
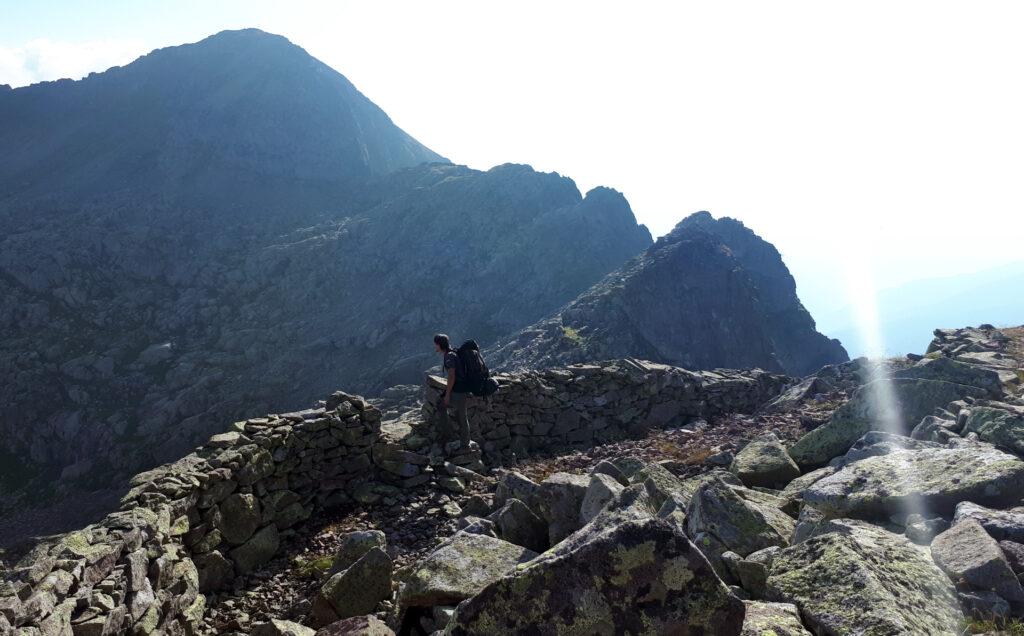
pixel 657 307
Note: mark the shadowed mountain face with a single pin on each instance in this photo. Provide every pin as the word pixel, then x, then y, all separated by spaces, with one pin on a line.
pixel 709 294
pixel 229 228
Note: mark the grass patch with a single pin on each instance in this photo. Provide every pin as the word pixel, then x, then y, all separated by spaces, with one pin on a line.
pixel 313 568
pixel 978 626
pixel 933 355
pixel 572 335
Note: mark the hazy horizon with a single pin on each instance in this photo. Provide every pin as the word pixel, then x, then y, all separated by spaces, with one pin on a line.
pixel 886 134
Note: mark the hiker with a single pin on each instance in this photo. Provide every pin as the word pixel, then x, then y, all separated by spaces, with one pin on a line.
pixel 455 393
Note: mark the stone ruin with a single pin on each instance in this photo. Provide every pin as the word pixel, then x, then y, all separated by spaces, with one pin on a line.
pixel 188 527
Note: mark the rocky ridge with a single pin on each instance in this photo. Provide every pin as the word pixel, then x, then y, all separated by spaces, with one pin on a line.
pixel 711 293
pixel 728 528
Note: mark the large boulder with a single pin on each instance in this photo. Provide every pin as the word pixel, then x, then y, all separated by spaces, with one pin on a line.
pixel 559 499
pixel 966 552
pixel 353 546
pixel 513 485
pixel 764 462
pixel 725 518
pixel 935 478
pixel 856 578
pixel 949 370
pixel 517 524
pixel 998 426
pixel 898 403
pixel 639 577
pixel 357 590
pixel 1001 525
pixel 278 627
pixel 458 569
pixel 602 489
pixel 772 619
pixel 660 483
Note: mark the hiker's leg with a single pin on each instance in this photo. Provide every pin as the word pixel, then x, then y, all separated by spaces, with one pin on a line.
pixel 462 415
pixel 445 429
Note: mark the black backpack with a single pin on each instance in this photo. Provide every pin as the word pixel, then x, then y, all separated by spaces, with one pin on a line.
pixel 472 371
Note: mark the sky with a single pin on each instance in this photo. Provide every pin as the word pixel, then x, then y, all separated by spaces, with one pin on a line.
pixel 886 138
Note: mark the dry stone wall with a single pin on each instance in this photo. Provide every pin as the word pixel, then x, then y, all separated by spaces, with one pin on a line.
pixel 188 528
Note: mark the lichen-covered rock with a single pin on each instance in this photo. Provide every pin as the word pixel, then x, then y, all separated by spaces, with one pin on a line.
pixel 559 499
pixel 518 524
pixel 937 478
pixel 659 482
pixel 256 551
pixel 1001 525
pixel 357 590
pixel 513 485
pixel 966 552
pixel 640 577
pixel 725 518
pixel 772 619
pixel 278 627
pixel 857 578
pixel 602 489
pixel 353 546
pixel 764 462
pixel 865 411
pixel 949 370
pixel 357 626
pixel 458 569
pixel 997 426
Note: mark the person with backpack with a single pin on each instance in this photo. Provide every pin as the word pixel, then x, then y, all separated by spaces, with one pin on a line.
pixel 456 392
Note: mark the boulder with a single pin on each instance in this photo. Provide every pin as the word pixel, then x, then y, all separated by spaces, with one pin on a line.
pixel 966 552
pixel 357 590
pixel 638 577
pixel 518 524
pixel 215 571
pixel 1014 553
pixel 725 518
pixel 602 489
pixel 935 478
pixel 513 485
pixel 1001 525
pixel 772 619
pixel 605 467
pixel 911 400
pixel 353 546
pixel 875 443
pixel 278 627
pixel 984 606
pixel 936 429
pixel 256 551
pixel 764 462
pixel 949 370
pixel 357 626
pixel 458 569
pixel 559 499
pixel 660 483
pixel 997 426
pixel 856 578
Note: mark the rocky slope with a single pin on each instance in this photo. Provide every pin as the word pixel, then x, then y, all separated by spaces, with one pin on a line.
pixel 706 524
pixel 709 294
pixel 228 228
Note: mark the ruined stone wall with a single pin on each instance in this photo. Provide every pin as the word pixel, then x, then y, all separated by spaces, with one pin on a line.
pixel 580 405
pixel 189 527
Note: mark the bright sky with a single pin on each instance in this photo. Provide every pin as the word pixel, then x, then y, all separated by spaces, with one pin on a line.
pixel 833 130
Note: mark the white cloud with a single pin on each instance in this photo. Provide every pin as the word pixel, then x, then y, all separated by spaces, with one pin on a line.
pixel 43 59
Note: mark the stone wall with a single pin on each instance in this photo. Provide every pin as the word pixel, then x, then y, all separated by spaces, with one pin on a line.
pixel 574 406
pixel 189 527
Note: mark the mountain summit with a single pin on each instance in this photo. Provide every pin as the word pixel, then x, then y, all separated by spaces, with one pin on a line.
pixel 711 293
pixel 197 120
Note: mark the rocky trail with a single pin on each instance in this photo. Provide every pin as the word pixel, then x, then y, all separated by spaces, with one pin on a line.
pixel 624 497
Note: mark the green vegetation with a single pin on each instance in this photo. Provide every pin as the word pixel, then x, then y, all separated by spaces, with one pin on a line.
pixel 978 626
pixel 313 568
pixel 572 335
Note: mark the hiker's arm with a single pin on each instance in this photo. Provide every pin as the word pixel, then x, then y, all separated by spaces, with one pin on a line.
pixel 448 389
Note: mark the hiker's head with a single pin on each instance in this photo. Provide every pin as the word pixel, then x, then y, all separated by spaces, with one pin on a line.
pixel 441 343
